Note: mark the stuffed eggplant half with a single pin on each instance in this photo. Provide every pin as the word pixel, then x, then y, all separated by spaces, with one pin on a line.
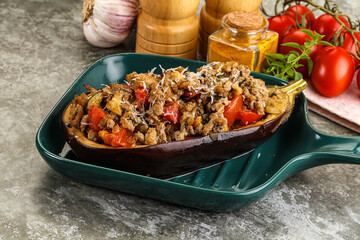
pixel 167 124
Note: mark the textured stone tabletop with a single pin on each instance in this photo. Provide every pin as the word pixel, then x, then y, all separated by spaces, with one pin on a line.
pixel 42 51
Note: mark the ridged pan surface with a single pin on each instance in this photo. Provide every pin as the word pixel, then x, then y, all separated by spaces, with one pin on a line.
pixel 240 181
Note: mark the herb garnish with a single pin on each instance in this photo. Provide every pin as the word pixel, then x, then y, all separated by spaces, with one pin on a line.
pixel 284 66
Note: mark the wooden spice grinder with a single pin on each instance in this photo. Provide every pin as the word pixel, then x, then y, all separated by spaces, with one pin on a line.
pixel 212 13
pixel 168 27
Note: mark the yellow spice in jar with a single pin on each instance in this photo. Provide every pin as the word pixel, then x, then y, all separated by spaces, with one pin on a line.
pixel 243 41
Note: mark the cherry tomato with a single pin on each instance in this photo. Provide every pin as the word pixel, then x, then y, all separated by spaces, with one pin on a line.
pixel 281 24
pixel 95 116
pixel 248 116
pixel 171 112
pixel 297 11
pixel 300 37
pixel 142 97
pixel 327 25
pixel 333 71
pixel 358 79
pixel 120 137
pixel 232 110
pixel 349 45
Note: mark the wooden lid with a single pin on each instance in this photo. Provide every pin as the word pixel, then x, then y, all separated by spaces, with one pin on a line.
pixel 245 20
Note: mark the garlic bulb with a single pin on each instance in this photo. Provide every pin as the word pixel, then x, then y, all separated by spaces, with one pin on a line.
pixel 106 23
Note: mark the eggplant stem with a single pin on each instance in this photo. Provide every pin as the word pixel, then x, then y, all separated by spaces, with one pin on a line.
pixel 295 87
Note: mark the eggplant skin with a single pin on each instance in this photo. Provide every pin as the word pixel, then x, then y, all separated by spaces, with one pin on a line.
pixel 172 159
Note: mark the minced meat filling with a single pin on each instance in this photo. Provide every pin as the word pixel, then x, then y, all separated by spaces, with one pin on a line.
pixel 174 105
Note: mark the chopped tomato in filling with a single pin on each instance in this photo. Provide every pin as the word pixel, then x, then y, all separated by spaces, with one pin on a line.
pixel 120 137
pixel 232 109
pixel 95 116
pixel 247 117
pixel 142 97
pixel 171 112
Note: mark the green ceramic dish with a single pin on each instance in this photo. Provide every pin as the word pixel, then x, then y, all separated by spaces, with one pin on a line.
pixel 295 146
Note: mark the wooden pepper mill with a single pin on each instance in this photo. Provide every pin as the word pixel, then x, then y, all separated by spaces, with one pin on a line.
pixel 168 27
pixel 212 13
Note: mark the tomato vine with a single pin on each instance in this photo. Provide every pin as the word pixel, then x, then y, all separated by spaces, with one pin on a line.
pixel 328 8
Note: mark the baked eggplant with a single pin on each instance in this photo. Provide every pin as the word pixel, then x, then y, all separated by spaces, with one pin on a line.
pixel 166 160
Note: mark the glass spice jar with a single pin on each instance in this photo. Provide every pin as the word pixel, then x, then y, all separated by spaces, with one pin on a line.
pixel 245 38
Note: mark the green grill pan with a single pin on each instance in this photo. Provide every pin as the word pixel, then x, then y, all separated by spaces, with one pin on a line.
pixel 227 186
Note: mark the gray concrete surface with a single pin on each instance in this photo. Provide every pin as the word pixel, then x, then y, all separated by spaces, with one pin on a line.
pixel 42 51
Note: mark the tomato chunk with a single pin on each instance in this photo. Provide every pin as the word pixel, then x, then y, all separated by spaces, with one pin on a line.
pixel 190 94
pixel 172 112
pixel 142 97
pixel 95 116
pixel 120 137
pixel 247 116
pixel 232 109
